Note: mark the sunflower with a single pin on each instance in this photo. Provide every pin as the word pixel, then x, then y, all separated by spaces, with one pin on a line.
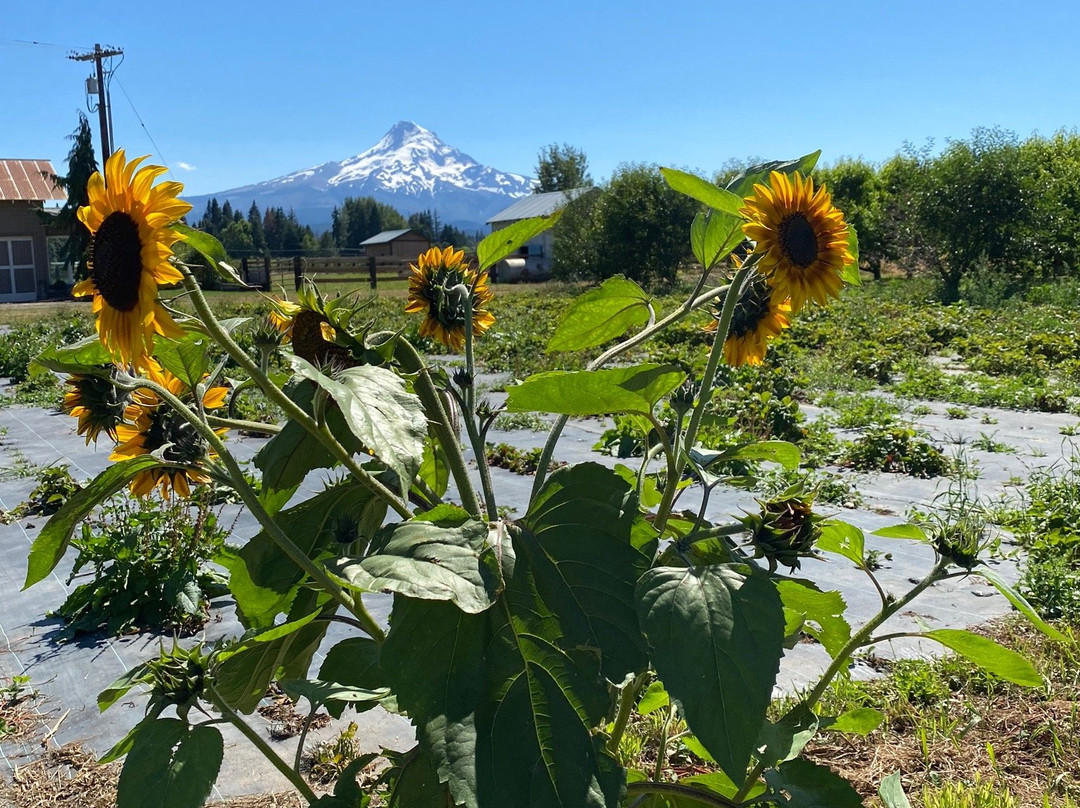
pixel 434 276
pixel 801 238
pixel 131 243
pixel 759 316
pixel 155 427
pixel 97 403
pixel 283 315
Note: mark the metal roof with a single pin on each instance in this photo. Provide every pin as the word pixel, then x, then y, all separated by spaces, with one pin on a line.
pixel 23 181
pixel 537 205
pixel 385 236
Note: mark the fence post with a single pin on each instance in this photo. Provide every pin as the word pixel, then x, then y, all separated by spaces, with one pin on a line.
pixel 371 270
pixel 244 269
pixel 266 266
pixel 298 270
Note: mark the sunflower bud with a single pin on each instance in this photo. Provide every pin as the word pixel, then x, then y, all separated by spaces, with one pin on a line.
pixel 177 678
pixel 784 530
pixel 682 400
pixel 462 378
pixel 97 403
pixel 961 540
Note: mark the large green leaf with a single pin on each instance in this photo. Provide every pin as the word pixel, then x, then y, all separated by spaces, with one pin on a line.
pixel 809 785
pixel 1019 603
pixel 499 244
pixel 83 356
pixel 52 542
pixel 416 784
pixel 843 539
pixel 595 392
pixel 601 314
pixel 211 249
pixel 507 702
pixel 353 662
pixel 904 531
pixel 773 451
pixel 717 635
pixel 892 793
pixel 187 359
pixel 988 655
pixel 786 739
pixel 703 191
pixel 714 234
pixel 859 721
pixel 287 457
pixel 850 273
pixel 387 419
pixel 822 612
pixel 263 579
pixel 430 562
pixel 170 764
pixel 743 183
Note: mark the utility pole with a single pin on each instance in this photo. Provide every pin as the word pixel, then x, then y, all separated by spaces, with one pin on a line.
pixel 104 113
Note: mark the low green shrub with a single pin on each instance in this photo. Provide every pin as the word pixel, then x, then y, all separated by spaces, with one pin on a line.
pixel 896 449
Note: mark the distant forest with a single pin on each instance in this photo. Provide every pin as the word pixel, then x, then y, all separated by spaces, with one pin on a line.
pixel 276 232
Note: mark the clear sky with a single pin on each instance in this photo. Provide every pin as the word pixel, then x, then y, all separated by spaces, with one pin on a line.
pixel 238 92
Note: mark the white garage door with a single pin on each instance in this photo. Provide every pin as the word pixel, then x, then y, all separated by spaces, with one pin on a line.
pixel 17 270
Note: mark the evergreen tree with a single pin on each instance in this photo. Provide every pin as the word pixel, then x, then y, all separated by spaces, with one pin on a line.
pixel 81 165
pixel 226 214
pixel 254 219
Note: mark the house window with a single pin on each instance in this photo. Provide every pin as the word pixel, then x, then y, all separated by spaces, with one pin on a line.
pixel 17 269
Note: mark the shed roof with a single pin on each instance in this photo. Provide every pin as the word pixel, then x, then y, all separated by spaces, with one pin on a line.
pixel 537 205
pixel 385 236
pixel 23 181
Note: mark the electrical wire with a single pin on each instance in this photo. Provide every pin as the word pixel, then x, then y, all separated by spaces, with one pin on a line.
pixel 44 44
pixel 157 149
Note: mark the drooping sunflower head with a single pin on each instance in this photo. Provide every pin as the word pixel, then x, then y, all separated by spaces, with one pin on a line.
pixel 759 315
pixel 283 314
pixel 435 291
pixel 801 238
pixel 131 242
pixel 785 529
pixel 153 427
pixel 97 403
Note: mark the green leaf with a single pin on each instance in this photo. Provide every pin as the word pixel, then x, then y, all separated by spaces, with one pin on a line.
pixel 654 698
pixel 289 455
pixel 499 244
pixel 786 739
pixel 703 191
pixel 988 655
pixel 892 793
pixel 906 531
pixel 429 562
pixel 843 539
pixel 860 721
pixel 1020 603
pixel 211 249
pixel 595 392
pixel 194 768
pixel 507 701
pixel 114 692
pixel 433 468
pixel 822 612
pixel 52 542
pixel 812 786
pixel 170 764
pixel 319 692
pixel 85 355
pixel 263 579
pixel 354 662
pixel 713 235
pixel 850 273
pixel 774 451
pixel 743 183
pixel 601 314
pixel 387 419
pixel 417 784
pixel 717 635
pixel 187 359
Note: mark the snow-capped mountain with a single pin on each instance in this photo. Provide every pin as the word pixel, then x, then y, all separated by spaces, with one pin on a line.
pixel 409 168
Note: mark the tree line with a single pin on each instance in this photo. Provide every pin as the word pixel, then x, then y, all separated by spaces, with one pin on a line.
pixel 990 213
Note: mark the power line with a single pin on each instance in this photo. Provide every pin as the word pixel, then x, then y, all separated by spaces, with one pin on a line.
pixel 157 149
pixel 44 44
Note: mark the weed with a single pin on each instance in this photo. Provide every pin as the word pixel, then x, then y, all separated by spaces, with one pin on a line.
pixel 505 456
pixel 328 759
pixel 55 486
pixel 986 443
pixel 21 467
pixel 857 412
pixel 509 421
pixel 896 449
pixel 988 419
pixel 957 413
pixel 979 793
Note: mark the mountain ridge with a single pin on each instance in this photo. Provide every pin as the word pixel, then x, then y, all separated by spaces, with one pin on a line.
pixel 409 167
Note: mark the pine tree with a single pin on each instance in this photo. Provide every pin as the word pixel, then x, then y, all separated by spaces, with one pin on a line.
pixel 81 165
pixel 256 222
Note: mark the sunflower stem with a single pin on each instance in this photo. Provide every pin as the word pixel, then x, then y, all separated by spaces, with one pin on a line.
pixel 731 297
pixel 475 437
pixel 439 419
pixel 693 302
pixel 273 530
pixel 289 407
pixel 672 482
pixel 239 423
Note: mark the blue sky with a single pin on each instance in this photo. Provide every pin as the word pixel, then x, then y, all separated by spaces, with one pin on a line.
pixel 239 92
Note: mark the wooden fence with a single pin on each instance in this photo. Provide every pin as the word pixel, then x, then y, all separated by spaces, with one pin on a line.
pixel 266 273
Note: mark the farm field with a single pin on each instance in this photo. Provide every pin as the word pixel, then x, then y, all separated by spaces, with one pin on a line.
pixel 903 410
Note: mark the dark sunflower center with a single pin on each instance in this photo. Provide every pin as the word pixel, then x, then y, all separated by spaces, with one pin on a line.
pixel 183 444
pixel 446 307
pixel 116 261
pixel 798 241
pixel 752 308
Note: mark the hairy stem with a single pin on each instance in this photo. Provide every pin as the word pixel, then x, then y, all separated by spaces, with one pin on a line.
pixel 627 700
